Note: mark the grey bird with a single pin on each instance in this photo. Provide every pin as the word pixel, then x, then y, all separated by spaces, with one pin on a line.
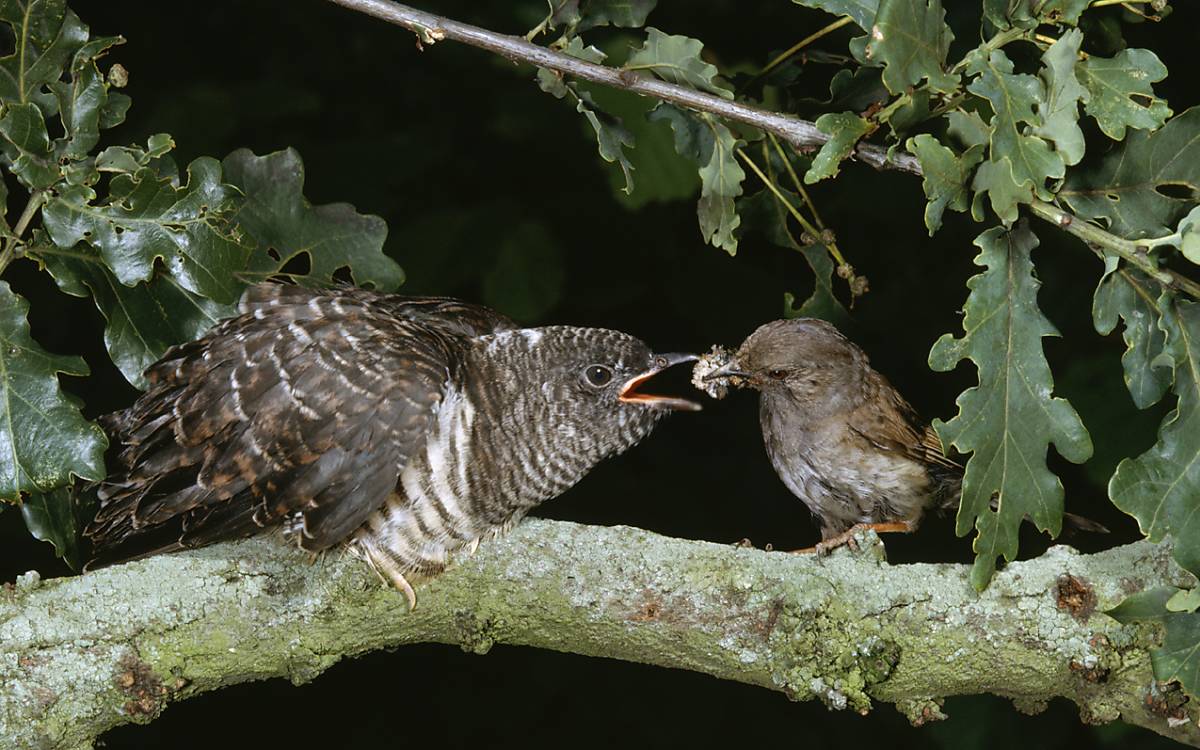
pixel 840 436
pixel 410 427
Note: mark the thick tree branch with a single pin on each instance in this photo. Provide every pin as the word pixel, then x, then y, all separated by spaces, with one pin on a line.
pixel 801 134
pixel 81 655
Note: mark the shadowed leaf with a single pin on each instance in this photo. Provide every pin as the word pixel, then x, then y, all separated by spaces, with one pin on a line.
pixel 945 176
pixel 862 11
pixel 705 140
pixel 580 15
pixel 146 218
pixel 58 517
pixel 910 38
pixel 612 138
pixel 763 212
pixel 142 321
pixel 1009 420
pixel 276 215
pixel 1121 94
pixel 1161 488
pixel 1124 190
pixel 44 441
pixel 26 146
pixel 1178 658
pixel 844 129
pixel 1128 294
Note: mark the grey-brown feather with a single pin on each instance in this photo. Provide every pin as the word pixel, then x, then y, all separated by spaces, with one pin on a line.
pixel 351 415
pixel 839 435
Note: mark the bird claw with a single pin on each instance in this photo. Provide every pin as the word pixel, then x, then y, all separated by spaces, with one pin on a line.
pixel 849 537
pixel 388 573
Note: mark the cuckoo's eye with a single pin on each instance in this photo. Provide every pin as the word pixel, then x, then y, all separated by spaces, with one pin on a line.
pixel 598 375
pixel 777 374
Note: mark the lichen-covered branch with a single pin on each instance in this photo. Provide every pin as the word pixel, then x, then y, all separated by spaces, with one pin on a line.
pixel 81 655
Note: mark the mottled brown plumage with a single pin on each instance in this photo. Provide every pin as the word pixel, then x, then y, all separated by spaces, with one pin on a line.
pixel 839 435
pixel 414 427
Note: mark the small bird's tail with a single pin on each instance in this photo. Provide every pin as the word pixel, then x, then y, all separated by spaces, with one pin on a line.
pixel 1076 522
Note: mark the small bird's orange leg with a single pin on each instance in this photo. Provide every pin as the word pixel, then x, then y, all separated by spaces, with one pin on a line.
pixel 825 546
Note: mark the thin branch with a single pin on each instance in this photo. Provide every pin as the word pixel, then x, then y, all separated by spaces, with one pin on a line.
pixel 11 243
pixel 792 51
pixel 1128 250
pixel 800 134
pixel 81 655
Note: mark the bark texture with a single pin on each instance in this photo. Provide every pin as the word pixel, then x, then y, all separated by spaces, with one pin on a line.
pixel 81 655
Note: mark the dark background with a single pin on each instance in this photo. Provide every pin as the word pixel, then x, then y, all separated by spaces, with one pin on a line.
pixel 493 191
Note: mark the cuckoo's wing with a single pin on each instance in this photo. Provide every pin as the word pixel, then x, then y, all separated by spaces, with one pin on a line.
pixel 306 407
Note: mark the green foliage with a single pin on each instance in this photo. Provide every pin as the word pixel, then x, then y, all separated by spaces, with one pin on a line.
pixel 1008 420
pixel 766 213
pixel 945 176
pixel 612 138
pixel 1127 293
pixel 580 15
pixel 277 217
pixel 44 441
pixel 1019 158
pixel 1120 91
pixel 162 256
pixel 1161 487
pixel 1178 659
pixel 844 129
pixel 910 39
pixel 146 219
pixel 707 141
pixel 1127 191
pixel 58 517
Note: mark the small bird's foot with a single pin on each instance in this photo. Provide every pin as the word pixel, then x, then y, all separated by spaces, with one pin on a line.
pixel 847 537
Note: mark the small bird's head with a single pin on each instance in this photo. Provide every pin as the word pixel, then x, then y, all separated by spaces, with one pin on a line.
pixel 587 387
pixel 802 359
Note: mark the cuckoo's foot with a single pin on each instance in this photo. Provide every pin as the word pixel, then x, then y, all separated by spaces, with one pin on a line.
pixel 387 570
pixel 846 538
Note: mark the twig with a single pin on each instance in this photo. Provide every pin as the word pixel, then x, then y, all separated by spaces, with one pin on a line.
pixel 11 243
pixel 795 48
pixel 1128 250
pixel 800 134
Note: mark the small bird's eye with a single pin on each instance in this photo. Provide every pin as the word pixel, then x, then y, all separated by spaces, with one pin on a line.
pixel 598 375
pixel 777 374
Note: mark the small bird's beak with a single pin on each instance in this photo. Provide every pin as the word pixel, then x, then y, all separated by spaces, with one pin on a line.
pixel 730 369
pixel 631 395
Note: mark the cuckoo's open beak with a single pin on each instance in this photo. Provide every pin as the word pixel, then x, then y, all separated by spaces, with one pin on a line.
pixel 631 395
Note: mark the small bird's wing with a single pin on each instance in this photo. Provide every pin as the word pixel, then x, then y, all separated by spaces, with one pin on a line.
pixel 305 408
pixel 899 429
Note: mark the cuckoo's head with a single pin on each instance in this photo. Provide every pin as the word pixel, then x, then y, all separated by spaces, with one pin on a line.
pixel 592 388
